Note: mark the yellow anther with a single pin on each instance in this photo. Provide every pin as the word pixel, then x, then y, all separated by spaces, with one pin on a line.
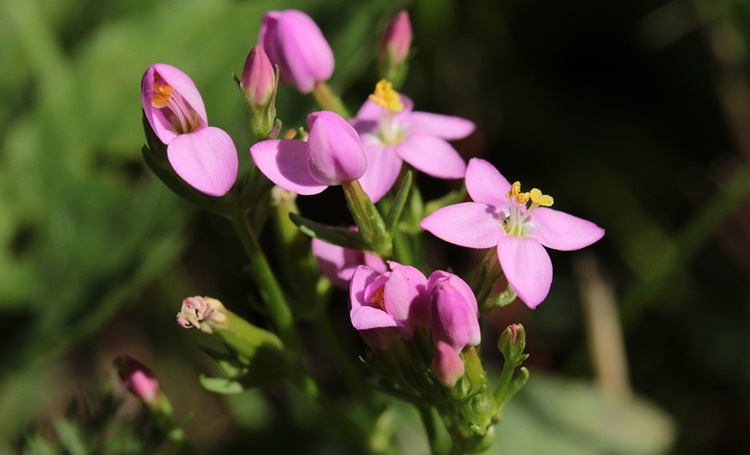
pixel 538 198
pixel 161 94
pixel 385 96
pixel 514 191
pixel 379 298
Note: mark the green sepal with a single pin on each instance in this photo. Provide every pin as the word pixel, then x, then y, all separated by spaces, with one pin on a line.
pixel 394 214
pixel 334 235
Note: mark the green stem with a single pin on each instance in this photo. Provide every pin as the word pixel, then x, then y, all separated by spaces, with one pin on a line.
pixel 328 100
pixel 349 370
pixel 343 422
pixel 440 441
pixel 273 296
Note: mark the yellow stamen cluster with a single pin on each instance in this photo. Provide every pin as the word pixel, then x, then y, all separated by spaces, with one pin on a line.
pixel 536 196
pixel 379 298
pixel 385 96
pixel 161 94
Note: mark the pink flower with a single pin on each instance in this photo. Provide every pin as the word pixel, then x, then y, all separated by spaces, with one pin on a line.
pixel 295 43
pixel 204 156
pixel 338 263
pixel 138 379
pixel 499 217
pixel 332 155
pixel 388 306
pixel 392 133
pixel 396 41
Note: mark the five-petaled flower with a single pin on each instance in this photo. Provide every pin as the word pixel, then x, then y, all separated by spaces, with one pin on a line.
pixel 203 156
pixel 519 224
pixel 332 155
pixel 392 133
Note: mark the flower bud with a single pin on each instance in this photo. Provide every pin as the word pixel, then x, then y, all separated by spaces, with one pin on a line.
pixel 137 379
pixel 258 87
pixel 294 42
pixel 335 151
pixel 258 78
pixel 396 40
pixel 394 48
pixel 454 311
pixel 512 343
pixel 447 364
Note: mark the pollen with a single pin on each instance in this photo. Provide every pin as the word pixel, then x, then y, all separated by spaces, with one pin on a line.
pixel 379 298
pixel 161 94
pixel 385 96
pixel 537 198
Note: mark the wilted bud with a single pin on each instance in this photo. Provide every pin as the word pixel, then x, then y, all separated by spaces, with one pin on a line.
pixel 203 313
pixel 137 379
pixel 512 343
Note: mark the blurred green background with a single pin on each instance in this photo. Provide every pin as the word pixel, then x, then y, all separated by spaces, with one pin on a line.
pixel 631 113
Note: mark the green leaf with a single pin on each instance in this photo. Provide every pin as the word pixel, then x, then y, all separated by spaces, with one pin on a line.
pixel 223 386
pixel 576 418
pixel 333 235
pixel 394 214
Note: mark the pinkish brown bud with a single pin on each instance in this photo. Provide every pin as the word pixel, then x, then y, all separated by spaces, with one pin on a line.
pixel 138 379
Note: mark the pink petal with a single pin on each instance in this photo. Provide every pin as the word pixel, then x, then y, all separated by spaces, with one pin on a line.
pixel 460 285
pixel 368 318
pixel 527 267
pixel 468 224
pixel 285 164
pixel 182 84
pixel 338 263
pixel 383 168
pixel 371 112
pixel 447 364
pixel 404 296
pixel 443 126
pixel 206 159
pixel 361 279
pixel 454 317
pixel 485 184
pixel 433 156
pixel 307 56
pixel 335 152
pixel 562 231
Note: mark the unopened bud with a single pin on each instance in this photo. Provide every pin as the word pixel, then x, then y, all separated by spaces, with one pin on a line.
pixel 512 343
pixel 258 86
pixel 394 48
pixel 137 379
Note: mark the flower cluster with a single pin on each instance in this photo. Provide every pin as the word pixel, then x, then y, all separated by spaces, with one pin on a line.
pixel 421 327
